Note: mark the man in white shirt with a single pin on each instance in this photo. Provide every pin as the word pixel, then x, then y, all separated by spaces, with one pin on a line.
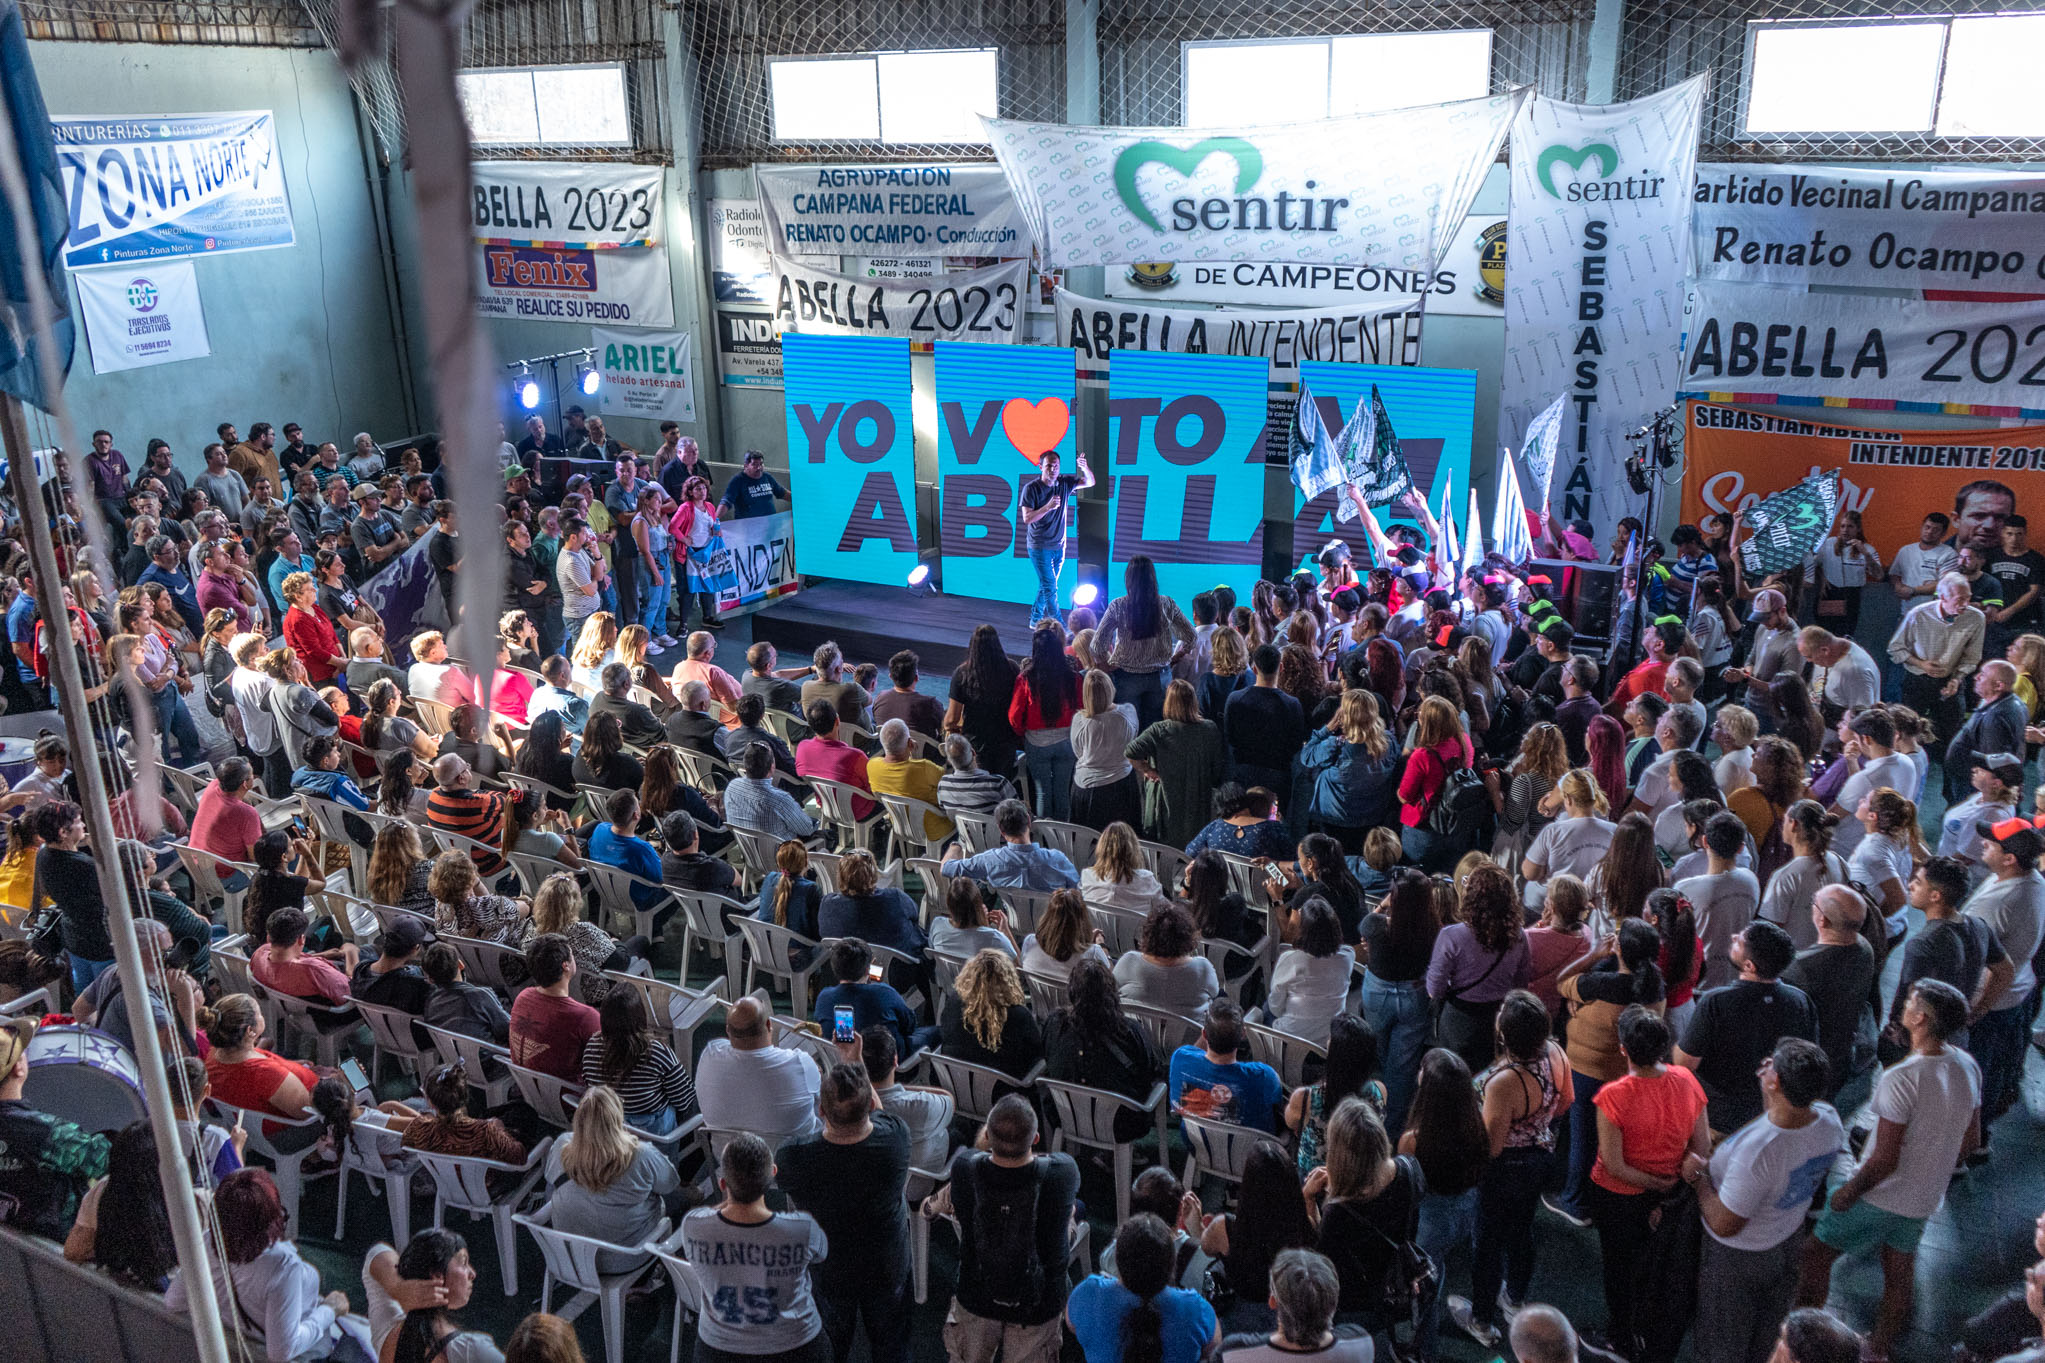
pixel 746 1083
pixel 927 1112
pixel 1928 1118
pixel 2012 903
pixel 433 677
pixel 1753 1193
pixel 1917 567
pixel 1870 739
pixel 1676 729
pixel 1845 675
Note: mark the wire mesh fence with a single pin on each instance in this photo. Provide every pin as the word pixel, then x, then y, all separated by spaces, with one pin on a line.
pixel 253 23
pixel 1669 40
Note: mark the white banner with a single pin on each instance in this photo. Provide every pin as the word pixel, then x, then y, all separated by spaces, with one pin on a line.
pixel 543 284
pixel 1383 333
pixel 1599 245
pixel 1891 227
pixel 972 305
pixel 1378 189
pixel 581 204
pixel 1755 338
pixel 748 350
pixel 1469 282
pixel 930 207
pixel 142 315
pixel 150 187
pixel 762 557
pixel 646 374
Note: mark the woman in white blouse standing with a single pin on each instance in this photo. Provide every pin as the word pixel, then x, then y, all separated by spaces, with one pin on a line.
pixel 1105 788
pixel 1310 984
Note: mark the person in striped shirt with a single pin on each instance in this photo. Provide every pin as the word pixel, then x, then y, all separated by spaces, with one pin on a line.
pixel 456 806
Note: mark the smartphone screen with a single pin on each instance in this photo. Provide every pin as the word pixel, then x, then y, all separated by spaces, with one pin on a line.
pixel 841 1029
pixel 874 971
pixel 351 1070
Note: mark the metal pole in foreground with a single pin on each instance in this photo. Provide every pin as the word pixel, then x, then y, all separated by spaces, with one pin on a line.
pixel 185 1227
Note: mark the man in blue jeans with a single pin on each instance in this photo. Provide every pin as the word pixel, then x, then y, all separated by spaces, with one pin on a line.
pixel 1043 517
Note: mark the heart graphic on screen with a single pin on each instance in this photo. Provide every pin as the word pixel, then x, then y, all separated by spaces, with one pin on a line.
pixel 1034 427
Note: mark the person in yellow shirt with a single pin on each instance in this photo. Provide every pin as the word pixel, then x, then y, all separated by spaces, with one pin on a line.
pixel 895 772
pixel 18 873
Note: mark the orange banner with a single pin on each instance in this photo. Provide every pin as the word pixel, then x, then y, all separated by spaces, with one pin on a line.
pixel 1735 456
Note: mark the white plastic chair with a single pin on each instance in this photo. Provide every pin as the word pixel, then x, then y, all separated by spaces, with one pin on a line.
pixel 1075 840
pixel 391 1034
pixel 1217 1148
pixel 1245 878
pixel 614 889
pixel 487 1064
pixel 185 784
pixel 1086 1116
pixel 1222 954
pixel 1048 993
pixel 462 1182
pixel 202 867
pixel 1168 1029
pixel 770 951
pixel 286 1169
pixel 905 815
pixel 757 848
pixel 550 1098
pixel 1122 927
pixel 1166 863
pixel 703 924
pixel 936 884
pixel 977 831
pixel 703 771
pixel 435 717
pixel 326 1026
pixel 944 969
pixel 378 1154
pixel 794 1034
pixel 835 799
pixel 688 1288
pixel 974 1088
pixel 1283 1052
pixel 1024 907
pixel 572 1260
pixel 326 819
pixel 494 964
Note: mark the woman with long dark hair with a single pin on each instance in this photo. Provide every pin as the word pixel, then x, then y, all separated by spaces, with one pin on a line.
pixel 1219 913
pixel 650 1081
pixel 1796 719
pixel 1620 882
pixel 1270 1217
pixel 137 1248
pixel 603 760
pixel 1310 983
pixel 1091 1041
pixel 1778 782
pixel 545 757
pixel 1621 971
pixel 1141 635
pixel 1445 1132
pixel 1323 874
pixel 1398 945
pixel 1604 742
pixel 1476 963
pixel 1349 1072
pixel 1523 1093
pixel 429 1334
pixel 1046 697
pixel 981 688
pixel 1136 1315
pixel 1682 956
pixel 1786 902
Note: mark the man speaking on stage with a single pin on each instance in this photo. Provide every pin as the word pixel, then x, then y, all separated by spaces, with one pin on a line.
pixel 1043 514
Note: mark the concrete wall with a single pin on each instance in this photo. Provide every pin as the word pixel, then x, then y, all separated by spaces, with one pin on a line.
pixel 303 333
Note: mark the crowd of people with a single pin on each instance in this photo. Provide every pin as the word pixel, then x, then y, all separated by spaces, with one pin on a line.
pixel 1609 948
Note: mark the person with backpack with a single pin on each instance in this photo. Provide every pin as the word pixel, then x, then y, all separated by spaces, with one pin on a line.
pixel 1014 1210
pixel 1442 802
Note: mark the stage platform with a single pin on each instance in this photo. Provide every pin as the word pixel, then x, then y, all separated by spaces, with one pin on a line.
pixel 872 622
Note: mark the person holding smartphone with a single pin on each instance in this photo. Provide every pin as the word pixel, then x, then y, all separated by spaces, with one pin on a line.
pixel 861 998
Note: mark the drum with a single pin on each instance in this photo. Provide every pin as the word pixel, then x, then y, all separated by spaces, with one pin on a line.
pixel 17 758
pixel 85 1076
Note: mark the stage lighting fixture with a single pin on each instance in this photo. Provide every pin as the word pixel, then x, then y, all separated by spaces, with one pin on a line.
pixel 528 389
pixel 587 376
pixel 922 580
pixel 919 574
pixel 1085 594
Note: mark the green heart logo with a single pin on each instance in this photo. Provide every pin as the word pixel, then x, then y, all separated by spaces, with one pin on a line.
pixel 1185 160
pixel 1544 169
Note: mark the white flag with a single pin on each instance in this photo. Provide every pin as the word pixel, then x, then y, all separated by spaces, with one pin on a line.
pixel 1509 533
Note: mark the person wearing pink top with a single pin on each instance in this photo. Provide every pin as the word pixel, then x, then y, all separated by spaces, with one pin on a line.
pixel 724 688
pixel 830 757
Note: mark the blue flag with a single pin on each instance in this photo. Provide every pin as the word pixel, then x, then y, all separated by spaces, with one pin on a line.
pixel 20 361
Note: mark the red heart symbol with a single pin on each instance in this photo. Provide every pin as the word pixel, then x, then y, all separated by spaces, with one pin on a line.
pixel 1035 427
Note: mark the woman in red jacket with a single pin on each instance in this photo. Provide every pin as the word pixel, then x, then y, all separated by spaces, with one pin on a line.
pixel 309 632
pixel 1439 747
pixel 1040 709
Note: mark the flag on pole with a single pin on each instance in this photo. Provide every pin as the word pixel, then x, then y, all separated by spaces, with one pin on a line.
pixel 1311 453
pixel 1451 555
pixel 1473 536
pixel 1369 450
pixel 1509 534
pixel 1787 526
pixel 1544 438
pixel 21 371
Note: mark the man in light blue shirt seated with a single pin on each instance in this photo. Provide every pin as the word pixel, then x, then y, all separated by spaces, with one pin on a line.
pixel 553 694
pixel 322 777
pixel 1208 1081
pixel 752 800
pixel 612 843
pixel 1018 863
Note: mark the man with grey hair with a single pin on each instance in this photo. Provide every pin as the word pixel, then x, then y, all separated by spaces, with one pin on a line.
pixel 1542 1334
pixel 898 772
pixel 701 648
pixel 1938 643
pixel 691 725
pixel 1996 726
pixel 1303 1292
pixel 848 698
pixel 753 801
pixel 966 787
pixel 366 460
pixel 639 724
pixel 456 806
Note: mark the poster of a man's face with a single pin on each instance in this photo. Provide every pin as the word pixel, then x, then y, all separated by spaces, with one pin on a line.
pixel 1979 509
